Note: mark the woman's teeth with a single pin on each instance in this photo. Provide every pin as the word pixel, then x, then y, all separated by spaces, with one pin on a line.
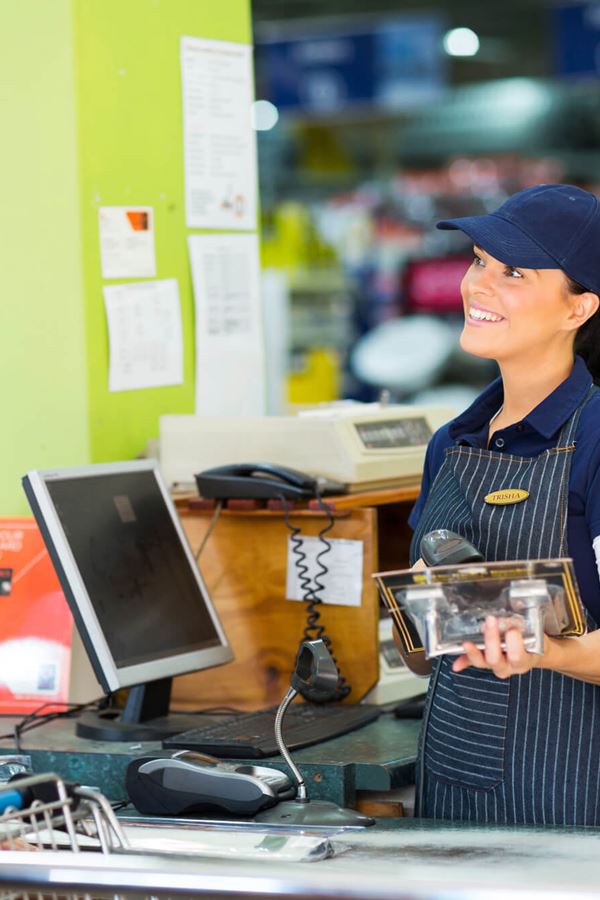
pixel 484 316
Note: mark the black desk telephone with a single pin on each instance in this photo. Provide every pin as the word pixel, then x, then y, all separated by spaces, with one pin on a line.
pixel 192 783
pixel 261 481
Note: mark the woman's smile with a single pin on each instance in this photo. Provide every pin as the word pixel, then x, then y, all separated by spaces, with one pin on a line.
pixel 478 315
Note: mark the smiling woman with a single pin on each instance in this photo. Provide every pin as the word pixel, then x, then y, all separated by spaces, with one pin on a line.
pixel 535 308
pixel 509 735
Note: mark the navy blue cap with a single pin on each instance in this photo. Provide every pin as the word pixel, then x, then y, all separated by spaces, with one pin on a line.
pixel 549 226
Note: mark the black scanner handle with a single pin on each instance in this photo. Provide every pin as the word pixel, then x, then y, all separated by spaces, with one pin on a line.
pixel 316 675
pixel 446 548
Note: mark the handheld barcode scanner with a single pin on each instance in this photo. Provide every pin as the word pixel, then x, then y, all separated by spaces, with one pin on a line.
pixel 446 548
pixel 437 548
pixel 316 670
pixel 316 675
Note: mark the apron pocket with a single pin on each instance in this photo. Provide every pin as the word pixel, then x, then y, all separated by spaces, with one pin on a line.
pixel 466 732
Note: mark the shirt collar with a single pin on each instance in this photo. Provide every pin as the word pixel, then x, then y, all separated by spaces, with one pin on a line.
pixel 547 418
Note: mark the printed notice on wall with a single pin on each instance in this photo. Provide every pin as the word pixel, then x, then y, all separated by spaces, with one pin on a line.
pixel 127 241
pixel 230 358
pixel 338 571
pixel 144 332
pixel 219 141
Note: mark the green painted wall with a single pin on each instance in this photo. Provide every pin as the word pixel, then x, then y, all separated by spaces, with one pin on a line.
pixel 90 104
pixel 131 152
pixel 43 365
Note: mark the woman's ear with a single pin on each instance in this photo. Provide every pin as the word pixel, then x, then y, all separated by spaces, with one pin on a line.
pixel 583 307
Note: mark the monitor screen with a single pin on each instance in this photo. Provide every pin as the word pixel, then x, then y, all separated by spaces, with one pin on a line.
pixel 433 285
pixel 134 588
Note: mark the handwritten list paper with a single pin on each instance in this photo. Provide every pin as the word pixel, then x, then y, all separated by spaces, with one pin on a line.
pixel 144 331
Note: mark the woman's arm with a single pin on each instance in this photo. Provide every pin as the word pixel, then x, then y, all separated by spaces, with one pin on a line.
pixel 577 657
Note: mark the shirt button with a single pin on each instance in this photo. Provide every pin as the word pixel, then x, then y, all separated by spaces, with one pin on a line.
pixel 520 427
pixel 499 442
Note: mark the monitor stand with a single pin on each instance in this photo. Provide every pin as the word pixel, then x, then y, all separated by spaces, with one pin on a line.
pixel 145 717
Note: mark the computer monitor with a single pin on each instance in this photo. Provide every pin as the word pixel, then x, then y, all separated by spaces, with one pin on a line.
pixel 432 284
pixel 136 594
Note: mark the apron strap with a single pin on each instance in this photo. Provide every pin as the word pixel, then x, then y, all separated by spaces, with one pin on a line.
pixel 566 437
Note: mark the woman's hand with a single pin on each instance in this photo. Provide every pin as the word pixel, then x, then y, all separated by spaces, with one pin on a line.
pixel 577 657
pixel 515 660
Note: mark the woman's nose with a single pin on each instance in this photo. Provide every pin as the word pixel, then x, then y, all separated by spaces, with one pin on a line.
pixel 485 280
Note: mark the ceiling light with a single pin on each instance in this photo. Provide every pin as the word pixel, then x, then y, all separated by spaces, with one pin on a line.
pixel 265 115
pixel 461 42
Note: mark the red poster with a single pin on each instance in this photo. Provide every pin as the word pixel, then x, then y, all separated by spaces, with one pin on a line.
pixel 35 622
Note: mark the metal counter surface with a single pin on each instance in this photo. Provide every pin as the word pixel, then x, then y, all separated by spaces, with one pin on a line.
pixel 395 859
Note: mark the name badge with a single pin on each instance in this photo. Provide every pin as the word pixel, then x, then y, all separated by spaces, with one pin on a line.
pixel 506 496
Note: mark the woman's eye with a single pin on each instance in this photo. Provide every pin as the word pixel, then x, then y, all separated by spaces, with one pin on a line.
pixel 477 260
pixel 514 273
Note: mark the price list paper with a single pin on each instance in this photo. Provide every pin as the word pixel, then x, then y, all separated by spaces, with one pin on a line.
pixel 219 141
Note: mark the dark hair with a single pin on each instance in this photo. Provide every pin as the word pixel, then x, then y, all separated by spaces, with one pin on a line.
pixel 587 339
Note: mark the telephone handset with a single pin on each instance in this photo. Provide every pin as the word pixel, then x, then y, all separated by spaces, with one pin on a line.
pixel 191 783
pixel 261 481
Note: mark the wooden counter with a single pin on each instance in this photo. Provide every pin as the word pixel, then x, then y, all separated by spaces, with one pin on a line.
pixel 244 567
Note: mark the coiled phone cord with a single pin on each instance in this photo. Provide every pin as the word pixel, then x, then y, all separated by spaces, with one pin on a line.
pixel 312 588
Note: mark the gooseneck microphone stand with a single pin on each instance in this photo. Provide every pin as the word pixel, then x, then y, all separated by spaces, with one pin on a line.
pixel 301 795
pixel 315 673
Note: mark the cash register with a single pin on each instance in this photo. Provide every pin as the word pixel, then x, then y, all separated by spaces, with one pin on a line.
pixel 360 446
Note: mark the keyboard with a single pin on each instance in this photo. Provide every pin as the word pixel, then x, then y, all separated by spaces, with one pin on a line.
pixel 252 735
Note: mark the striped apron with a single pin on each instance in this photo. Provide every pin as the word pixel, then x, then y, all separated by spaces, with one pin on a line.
pixel 525 749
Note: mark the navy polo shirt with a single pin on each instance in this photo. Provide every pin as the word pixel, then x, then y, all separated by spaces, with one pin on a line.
pixel 537 432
